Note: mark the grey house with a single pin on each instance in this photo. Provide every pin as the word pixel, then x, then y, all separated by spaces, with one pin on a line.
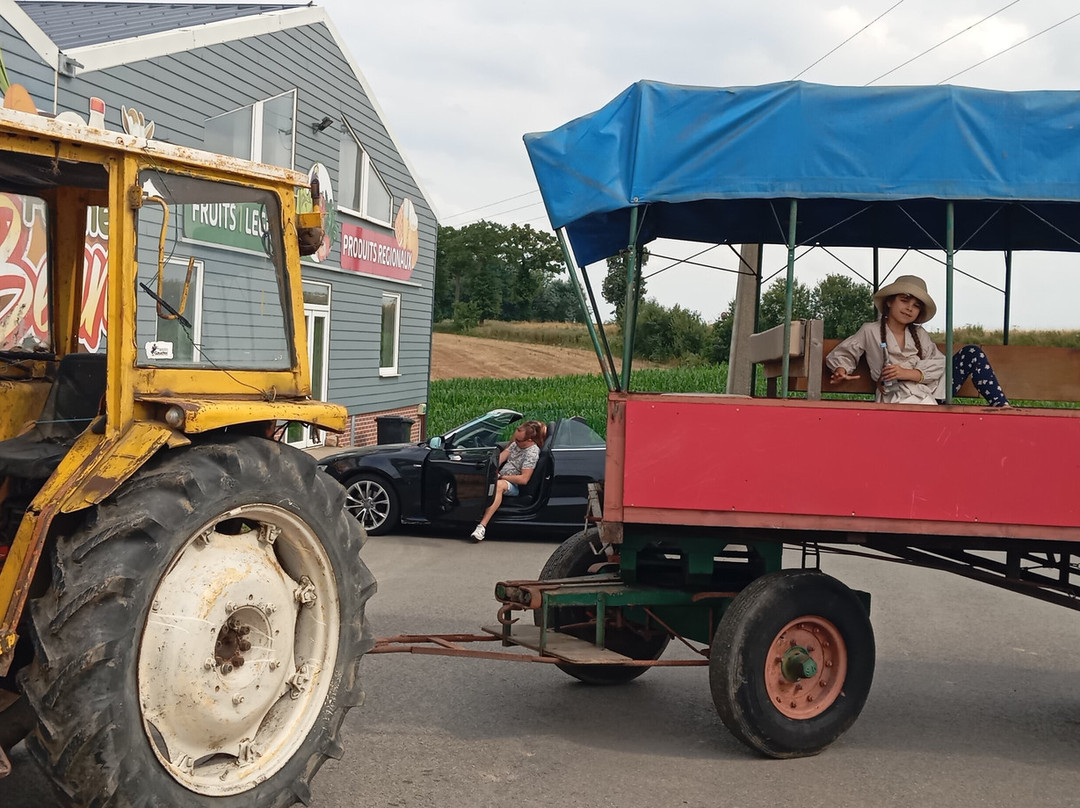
pixel 273 83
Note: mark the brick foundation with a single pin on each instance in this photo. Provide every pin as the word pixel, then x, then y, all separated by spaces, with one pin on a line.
pixel 362 429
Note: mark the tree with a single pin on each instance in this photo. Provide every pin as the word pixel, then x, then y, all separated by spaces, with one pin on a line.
pixel 664 334
pixel 501 270
pixel 467 261
pixel 533 259
pixel 771 311
pixel 558 303
pixel 844 304
pixel 719 348
pixel 613 289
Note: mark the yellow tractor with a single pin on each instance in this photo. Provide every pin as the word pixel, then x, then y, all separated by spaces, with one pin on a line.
pixel 181 594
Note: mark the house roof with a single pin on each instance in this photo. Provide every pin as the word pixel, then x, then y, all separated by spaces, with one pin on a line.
pixel 77 25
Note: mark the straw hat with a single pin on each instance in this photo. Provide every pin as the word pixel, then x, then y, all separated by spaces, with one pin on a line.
pixel 908 285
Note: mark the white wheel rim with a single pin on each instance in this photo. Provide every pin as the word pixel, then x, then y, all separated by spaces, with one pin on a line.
pixel 369 502
pixel 258 574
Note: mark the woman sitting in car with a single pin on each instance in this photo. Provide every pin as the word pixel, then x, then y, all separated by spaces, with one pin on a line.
pixel 516 464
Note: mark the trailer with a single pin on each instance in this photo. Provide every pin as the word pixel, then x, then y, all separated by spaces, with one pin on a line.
pixel 704 490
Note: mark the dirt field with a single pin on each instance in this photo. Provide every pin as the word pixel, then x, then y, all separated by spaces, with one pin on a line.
pixel 454 356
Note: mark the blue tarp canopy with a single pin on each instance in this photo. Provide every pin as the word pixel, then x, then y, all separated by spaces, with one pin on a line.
pixel 869 166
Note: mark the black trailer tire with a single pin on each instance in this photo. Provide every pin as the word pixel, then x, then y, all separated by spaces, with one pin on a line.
pixel 131 597
pixel 374 502
pixel 571 559
pixel 776 615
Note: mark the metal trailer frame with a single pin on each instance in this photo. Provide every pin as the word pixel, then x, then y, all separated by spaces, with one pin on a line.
pixel 698 556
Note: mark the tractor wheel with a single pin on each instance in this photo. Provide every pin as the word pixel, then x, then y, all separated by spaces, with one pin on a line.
pixel 792 662
pixel 571 559
pixel 201 641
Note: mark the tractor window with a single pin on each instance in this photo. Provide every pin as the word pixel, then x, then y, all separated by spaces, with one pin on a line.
pixel 211 286
pixel 24 275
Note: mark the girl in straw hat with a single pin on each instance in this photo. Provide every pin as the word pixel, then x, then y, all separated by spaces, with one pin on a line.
pixel 903 360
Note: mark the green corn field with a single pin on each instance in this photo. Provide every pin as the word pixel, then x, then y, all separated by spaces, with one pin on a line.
pixel 454 401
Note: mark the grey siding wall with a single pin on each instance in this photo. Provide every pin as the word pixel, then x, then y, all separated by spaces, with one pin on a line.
pixel 180 92
pixel 26 67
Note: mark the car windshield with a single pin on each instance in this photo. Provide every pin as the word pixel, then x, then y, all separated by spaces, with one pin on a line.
pixel 575 434
pixel 483 431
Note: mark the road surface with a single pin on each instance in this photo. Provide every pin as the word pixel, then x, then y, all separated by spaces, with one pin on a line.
pixel 973 702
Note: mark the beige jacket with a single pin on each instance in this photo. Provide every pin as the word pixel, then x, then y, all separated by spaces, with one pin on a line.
pixel 867 341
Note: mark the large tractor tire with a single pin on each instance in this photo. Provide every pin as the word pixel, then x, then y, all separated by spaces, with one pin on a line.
pixel 574 558
pixel 201 641
pixel 792 662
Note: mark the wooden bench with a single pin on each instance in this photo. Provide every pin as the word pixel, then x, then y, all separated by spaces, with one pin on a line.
pixel 1026 373
pixel 805 352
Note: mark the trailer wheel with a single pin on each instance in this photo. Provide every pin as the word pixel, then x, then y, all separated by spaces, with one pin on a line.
pixel 791 663
pixel 571 559
pixel 201 641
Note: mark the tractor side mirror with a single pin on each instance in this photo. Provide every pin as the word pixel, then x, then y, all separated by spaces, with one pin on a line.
pixel 309 226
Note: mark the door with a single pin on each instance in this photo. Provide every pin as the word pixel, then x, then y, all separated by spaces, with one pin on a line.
pixel 459 472
pixel 317 324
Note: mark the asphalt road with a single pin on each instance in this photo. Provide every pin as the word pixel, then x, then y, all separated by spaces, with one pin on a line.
pixel 973 702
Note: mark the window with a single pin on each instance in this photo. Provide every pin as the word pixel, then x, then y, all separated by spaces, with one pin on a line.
pixel 94 317
pixel 24 283
pixel 230 237
pixel 264 132
pixel 388 344
pixel 317 323
pixel 574 433
pixel 181 289
pixel 362 189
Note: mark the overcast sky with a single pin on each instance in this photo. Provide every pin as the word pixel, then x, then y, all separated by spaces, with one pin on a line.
pixel 460 82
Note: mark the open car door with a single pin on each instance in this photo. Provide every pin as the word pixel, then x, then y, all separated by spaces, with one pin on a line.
pixel 459 472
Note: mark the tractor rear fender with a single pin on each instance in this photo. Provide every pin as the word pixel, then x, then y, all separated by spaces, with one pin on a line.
pixel 95 466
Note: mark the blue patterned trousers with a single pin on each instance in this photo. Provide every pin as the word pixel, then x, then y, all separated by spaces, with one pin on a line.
pixel 971 361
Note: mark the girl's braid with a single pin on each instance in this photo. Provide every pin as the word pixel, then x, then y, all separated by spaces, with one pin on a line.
pixel 915 336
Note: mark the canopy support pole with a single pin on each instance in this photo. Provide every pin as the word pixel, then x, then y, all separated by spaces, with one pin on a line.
pixel 600 330
pixel 877 270
pixel 609 375
pixel 740 378
pixel 630 307
pixel 786 366
pixel 1008 294
pixel 950 239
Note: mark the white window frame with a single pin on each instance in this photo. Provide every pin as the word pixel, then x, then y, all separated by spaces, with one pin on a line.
pixel 365 171
pixel 257 127
pixel 390 370
pixel 311 435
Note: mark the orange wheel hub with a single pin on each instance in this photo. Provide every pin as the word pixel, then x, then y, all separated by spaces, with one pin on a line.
pixel 806 667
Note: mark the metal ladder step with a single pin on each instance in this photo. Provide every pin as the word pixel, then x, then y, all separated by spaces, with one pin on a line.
pixel 560 646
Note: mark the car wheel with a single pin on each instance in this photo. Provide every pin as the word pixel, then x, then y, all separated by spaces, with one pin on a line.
pixel 374 503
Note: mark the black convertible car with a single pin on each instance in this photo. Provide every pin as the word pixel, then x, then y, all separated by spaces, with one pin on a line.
pixel 449 479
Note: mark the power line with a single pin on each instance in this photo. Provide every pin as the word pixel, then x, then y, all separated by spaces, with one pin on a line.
pixel 1006 50
pixel 838 47
pixel 512 210
pixel 492 204
pixel 942 42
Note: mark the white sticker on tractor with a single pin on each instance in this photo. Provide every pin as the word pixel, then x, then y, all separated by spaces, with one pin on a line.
pixel 159 350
